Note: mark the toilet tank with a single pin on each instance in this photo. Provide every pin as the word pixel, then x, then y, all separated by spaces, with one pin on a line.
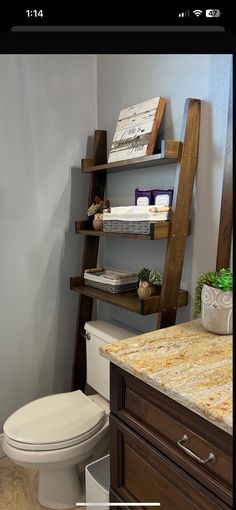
pixel 98 368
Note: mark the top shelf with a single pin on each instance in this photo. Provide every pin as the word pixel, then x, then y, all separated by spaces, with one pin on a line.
pixel 170 152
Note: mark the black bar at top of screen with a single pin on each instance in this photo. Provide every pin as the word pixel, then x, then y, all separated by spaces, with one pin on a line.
pixel 55 28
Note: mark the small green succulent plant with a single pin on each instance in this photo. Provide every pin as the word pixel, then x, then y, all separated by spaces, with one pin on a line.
pixel 222 279
pixel 155 277
pixel 143 274
pixel 150 275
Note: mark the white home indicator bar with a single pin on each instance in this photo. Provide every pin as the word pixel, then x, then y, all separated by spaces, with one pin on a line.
pixel 118 504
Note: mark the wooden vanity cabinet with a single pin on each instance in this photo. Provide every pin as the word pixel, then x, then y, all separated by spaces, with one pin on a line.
pixel 148 464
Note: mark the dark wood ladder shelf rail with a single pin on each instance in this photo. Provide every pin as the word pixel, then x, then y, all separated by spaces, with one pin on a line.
pixel 184 154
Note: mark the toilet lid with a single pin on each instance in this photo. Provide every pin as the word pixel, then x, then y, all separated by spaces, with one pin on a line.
pixel 57 419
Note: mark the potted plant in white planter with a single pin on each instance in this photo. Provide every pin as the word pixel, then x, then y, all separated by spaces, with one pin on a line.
pixel 149 282
pixel 214 301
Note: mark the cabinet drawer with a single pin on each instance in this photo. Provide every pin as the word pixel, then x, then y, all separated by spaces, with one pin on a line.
pixel 141 473
pixel 164 423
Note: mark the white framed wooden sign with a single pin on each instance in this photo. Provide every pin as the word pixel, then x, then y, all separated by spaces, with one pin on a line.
pixel 137 130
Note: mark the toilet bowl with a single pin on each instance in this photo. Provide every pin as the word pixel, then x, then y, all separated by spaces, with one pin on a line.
pixel 60 434
pixel 56 434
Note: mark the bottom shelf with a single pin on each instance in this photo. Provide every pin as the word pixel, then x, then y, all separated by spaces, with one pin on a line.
pixel 128 300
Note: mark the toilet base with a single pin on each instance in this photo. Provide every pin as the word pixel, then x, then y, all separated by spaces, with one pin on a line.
pixel 60 489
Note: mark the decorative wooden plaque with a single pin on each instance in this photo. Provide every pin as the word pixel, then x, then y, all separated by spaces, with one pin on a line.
pixel 137 129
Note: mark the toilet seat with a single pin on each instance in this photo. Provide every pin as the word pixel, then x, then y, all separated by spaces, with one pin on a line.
pixel 54 446
pixel 54 422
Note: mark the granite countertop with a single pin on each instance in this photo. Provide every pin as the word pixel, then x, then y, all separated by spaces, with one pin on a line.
pixel 185 362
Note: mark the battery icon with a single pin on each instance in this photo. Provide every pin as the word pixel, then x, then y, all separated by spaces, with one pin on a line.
pixel 213 13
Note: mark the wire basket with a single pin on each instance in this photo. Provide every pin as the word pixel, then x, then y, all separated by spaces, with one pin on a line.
pixel 127 227
pixel 113 289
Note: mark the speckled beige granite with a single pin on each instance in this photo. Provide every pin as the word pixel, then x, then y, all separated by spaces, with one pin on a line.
pixel 187 363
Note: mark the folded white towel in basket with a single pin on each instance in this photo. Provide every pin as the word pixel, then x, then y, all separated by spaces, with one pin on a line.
pixel 137 213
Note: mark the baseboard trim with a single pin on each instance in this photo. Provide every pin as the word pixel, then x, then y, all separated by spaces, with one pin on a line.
pixel 2 454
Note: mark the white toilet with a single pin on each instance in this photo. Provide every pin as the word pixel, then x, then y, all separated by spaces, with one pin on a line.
pixel 60 434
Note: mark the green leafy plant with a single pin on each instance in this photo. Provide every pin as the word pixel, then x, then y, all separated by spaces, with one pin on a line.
pixel 143 274
pixel 149 275
pixel 155 277
pixel 222 279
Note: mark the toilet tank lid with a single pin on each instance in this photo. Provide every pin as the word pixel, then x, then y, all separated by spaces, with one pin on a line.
pixel 109 331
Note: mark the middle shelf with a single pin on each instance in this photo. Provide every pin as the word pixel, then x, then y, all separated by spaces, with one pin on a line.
pixel 160 230
pixel 127 300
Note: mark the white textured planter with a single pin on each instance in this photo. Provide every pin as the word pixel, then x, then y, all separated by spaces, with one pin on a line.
pixel 217 309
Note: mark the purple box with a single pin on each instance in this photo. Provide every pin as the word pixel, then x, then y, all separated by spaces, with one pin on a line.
pixel 159 197
pixel 143 196
pixel 162 197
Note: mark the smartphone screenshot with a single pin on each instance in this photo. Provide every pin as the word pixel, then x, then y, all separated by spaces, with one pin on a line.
pixel 116 273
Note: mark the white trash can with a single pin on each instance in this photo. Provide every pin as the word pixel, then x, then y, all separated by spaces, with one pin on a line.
pixel 97 483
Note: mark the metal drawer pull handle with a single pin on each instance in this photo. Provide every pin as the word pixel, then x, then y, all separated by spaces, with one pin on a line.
pixel 185 439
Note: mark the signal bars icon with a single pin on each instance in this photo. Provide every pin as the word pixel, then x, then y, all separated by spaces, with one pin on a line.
pixel 184 14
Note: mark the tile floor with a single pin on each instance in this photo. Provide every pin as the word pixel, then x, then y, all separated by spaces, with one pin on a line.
pixel 18 487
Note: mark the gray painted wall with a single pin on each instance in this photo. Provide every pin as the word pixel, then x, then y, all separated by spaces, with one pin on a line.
pixel 124 80
pixel 48 109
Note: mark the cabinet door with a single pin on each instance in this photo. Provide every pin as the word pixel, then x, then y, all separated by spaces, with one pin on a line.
pixel 162 422
pixel 141 473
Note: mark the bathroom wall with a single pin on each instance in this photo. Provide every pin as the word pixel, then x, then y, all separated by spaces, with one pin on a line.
pixel 49 106
pixel 48 109
pixel 124 80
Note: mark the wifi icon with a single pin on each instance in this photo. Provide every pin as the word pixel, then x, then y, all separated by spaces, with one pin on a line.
pixel 197 12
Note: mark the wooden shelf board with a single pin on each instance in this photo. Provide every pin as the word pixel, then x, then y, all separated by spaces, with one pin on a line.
pixel 100 233
pixel 170 153
pixel 135 163
pixel 127 300
pixel 158 231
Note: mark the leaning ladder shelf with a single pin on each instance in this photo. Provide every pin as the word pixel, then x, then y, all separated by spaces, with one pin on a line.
pixel 184 154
